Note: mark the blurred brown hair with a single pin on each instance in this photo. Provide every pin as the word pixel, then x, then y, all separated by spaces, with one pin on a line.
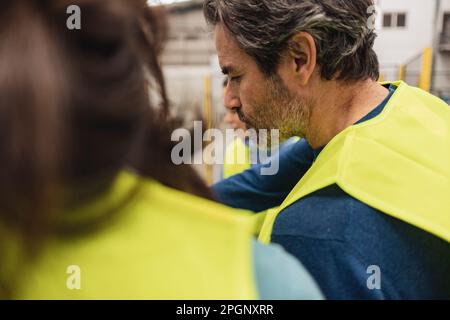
pixel 75 108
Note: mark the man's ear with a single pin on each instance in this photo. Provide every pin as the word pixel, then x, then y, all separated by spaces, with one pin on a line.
pixel 303 53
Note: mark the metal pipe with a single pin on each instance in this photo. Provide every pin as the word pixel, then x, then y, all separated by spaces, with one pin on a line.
pixel 435 43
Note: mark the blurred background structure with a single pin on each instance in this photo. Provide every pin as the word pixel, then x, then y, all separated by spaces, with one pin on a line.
pixel 192 71
pixel 189 62
pixel 413 45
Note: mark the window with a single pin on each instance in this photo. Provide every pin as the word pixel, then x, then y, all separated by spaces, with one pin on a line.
pixel 387 20
pixel 395 20
pixel 444 43
pixel 446 27
pixel 401 20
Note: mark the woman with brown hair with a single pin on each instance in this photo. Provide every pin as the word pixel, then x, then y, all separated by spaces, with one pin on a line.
pixel 91 206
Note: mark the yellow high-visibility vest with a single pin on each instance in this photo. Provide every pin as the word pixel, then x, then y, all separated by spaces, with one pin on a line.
pixel 397 162
pixel 237 158
pixel 163 244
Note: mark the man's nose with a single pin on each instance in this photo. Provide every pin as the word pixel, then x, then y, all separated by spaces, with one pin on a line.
pixel 231 99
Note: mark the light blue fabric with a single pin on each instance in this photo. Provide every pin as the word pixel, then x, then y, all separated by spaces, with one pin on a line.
pixel 279 276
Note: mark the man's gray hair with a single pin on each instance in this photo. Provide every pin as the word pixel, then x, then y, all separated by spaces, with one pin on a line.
pixel 341 30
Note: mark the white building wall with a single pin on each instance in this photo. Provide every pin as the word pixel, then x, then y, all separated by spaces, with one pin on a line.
pixel 396 46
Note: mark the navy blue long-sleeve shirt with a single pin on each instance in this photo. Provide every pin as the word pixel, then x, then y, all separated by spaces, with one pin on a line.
pixel 339 239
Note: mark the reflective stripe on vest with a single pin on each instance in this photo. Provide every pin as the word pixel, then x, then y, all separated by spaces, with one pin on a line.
pixel 397 162
pixel 163 244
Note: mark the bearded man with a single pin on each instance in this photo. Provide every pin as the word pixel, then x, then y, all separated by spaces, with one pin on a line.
pixel 370 214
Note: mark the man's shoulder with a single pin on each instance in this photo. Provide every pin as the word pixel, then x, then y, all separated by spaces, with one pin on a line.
pixel 324 215
pixel 332 214
pixel 338 237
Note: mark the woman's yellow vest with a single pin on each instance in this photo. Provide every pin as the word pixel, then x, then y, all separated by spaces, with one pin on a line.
pixel 163 244
pixel 397 162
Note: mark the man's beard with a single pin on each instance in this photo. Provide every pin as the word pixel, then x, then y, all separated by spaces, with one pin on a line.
pixel 279 110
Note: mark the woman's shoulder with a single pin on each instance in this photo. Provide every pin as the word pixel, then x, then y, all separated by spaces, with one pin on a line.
pixel 157 194
pixel 280 276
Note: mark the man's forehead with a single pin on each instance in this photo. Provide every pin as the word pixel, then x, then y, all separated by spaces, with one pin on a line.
pixel 230 55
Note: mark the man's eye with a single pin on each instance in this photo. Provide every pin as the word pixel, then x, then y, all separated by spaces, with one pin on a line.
pixel 235 79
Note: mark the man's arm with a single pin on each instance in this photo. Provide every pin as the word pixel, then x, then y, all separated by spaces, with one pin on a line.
pixel 252 191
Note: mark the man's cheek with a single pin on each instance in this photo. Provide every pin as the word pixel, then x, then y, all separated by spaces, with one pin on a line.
pixel 246 107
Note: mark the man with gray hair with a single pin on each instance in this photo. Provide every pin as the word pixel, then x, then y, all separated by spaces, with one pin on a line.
pixel 369 216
